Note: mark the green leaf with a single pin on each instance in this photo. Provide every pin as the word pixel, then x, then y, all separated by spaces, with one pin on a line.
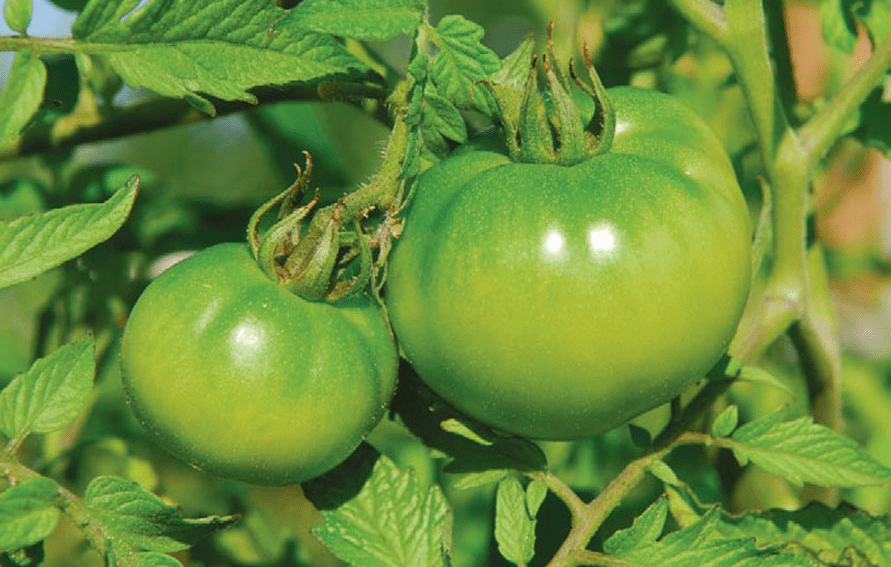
pixel 18 14
pixel 31 556
pixel 875 120
pixel 462 59
pixel 476 479
pixel 121 556
pixel 28 513
pixel 640 436
pixel 663 472
pixel 151 559
pixel 471 446
pixel 700 544
pixel 645 530
pixel 508 82
pixel 755 375
pixel 816 531
pixel 801 451
pixel 357 19
pixel 51 394
pixel 840 17
pixel 514 522
pixel 536 492
pixel 839 28
pixel 33 244
pixel 219 48
pixel 142 520
pixel 726 422
pixel 23 93
pixel 390 521
pixel 442 118
pixel 875 15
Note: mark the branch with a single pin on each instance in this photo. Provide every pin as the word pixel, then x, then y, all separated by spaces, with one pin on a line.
pixel 704 15
pixel 74 130
pixel 825 127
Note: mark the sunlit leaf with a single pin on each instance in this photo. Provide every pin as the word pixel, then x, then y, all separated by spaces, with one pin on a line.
pixel 33 244
pixel 51 394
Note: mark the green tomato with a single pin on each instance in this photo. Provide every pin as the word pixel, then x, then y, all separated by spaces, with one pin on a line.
pixel 240 377
pixel 557 302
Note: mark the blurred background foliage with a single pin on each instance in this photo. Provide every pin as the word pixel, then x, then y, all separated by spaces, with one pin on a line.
pixel 201 182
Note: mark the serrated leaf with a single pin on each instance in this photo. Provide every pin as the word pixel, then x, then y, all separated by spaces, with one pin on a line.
pixel 514 526
pixel 33 244
pixel 514 69
pixel 23 93
pixel 700 544
pixel 441 117
pixel 220 48
pixel 816 534
pixel 801 451
pixel 391 521
pixel 18 14
pixel 28 513
pixel 726 422
pixel 507 82
pixel 645 529
pixel 144 521
pixel 51 394
pixel 357 19
pixel 462 59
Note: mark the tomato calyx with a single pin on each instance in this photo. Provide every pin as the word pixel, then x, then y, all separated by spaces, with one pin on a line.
pixel 335 251
pixel 548 126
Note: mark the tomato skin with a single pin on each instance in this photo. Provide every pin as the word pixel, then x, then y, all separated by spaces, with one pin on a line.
pixel 558 302
pixel 240 377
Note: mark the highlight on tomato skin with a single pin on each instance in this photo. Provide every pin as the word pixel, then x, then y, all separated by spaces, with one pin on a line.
pixel 240 377
pixel 556 302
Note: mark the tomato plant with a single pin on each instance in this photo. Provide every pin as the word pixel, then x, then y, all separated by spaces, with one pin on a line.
pixel 554 257
pixel 244 379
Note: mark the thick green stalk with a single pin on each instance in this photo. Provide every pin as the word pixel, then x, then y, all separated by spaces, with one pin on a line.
pixel 791 295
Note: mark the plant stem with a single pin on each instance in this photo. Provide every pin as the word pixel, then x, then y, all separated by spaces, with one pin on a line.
pixel 587 518
pixel 50 45
pixel 705 15
pixel 825 127
pixel 148 116
pixel 71 504
pixel 596 511
pixel 562 490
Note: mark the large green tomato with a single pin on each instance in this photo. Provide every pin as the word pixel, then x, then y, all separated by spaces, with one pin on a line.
pixel 240 377
pixel 557 302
